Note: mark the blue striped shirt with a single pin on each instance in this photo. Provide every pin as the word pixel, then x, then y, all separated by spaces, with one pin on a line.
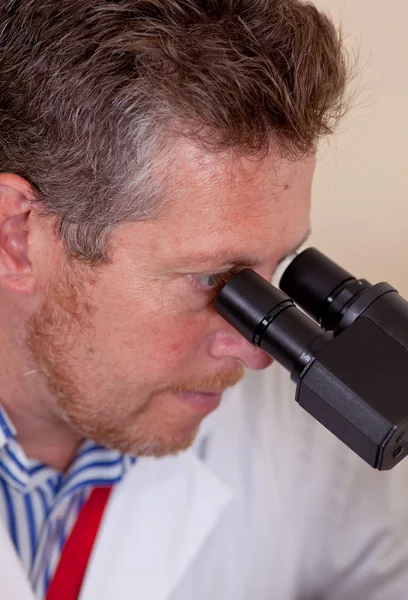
pixel 41 505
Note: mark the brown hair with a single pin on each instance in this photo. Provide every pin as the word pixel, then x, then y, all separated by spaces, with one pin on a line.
pixel 91 92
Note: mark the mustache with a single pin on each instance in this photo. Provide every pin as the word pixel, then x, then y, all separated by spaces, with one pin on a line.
pixel 216 383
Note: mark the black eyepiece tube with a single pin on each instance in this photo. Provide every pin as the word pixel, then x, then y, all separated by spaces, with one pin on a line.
pixel 246 299
pixel 266 317
pixel 289 337
pixel 313 281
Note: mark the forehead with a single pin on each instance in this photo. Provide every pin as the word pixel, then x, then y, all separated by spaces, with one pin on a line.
pixel 218 206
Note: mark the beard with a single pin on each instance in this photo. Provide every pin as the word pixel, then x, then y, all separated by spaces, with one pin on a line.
pixel 152 427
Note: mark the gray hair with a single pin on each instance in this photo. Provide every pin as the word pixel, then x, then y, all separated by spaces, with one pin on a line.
pixel 92 92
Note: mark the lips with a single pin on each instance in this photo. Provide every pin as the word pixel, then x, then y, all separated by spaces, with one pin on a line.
pixel 203 402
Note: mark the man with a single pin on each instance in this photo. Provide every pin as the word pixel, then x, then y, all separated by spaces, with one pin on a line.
pixel 147 150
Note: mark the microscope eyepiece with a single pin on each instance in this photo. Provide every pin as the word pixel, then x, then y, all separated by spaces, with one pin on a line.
pixel 320 287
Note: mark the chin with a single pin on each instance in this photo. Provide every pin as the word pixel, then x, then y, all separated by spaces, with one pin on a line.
pixel 157 447
pixel 145 441
pixel 160 427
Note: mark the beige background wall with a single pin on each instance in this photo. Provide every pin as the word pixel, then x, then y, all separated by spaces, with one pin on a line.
pixel 360 214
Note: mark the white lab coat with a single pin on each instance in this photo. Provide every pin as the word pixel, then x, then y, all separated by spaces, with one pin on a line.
pixel 267 505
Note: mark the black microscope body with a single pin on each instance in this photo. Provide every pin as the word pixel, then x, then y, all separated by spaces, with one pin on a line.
pixel 349 360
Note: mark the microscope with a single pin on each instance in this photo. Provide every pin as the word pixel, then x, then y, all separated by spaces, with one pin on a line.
pixel 346 348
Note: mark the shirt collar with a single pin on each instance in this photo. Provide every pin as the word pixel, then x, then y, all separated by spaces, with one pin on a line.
pixel 93 464
pixel 7 430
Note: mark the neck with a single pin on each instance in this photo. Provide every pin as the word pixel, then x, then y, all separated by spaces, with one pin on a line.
pixel 46 440
pixel 40 430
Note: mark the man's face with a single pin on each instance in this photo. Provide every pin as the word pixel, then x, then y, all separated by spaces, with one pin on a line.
pixel 136 357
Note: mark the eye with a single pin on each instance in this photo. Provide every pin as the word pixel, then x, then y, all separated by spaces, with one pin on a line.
pixel 209 282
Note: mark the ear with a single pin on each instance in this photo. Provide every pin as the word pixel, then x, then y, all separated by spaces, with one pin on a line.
pixel 16 272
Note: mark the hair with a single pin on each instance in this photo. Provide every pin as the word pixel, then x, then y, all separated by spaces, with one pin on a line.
pixel 92 93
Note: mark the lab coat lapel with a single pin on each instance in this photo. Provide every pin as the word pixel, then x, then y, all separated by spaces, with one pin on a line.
pixel 156 522
pixel 14 584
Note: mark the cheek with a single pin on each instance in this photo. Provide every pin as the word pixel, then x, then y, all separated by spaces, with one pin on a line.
pixel 153 340
pixel 150 329
pixel 176 343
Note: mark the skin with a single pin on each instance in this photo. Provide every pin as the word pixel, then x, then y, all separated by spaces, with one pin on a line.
pixel 105 353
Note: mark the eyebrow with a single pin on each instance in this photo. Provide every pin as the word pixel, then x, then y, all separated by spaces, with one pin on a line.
pixel 225 257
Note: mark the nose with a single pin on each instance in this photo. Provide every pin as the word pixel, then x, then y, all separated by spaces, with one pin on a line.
pixel 227 342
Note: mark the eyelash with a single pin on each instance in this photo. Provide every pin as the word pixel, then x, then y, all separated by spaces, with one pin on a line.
pixel 220 279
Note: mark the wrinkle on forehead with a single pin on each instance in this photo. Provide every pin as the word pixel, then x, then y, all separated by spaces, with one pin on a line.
pixel 227 178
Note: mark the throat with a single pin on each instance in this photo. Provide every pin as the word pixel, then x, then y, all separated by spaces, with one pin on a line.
pixel 43 438
pixel 57 455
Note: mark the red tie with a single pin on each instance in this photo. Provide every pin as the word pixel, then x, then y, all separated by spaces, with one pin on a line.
pixel 69 575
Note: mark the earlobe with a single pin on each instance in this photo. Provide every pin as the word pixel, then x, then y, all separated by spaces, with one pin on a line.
pixel 15 265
